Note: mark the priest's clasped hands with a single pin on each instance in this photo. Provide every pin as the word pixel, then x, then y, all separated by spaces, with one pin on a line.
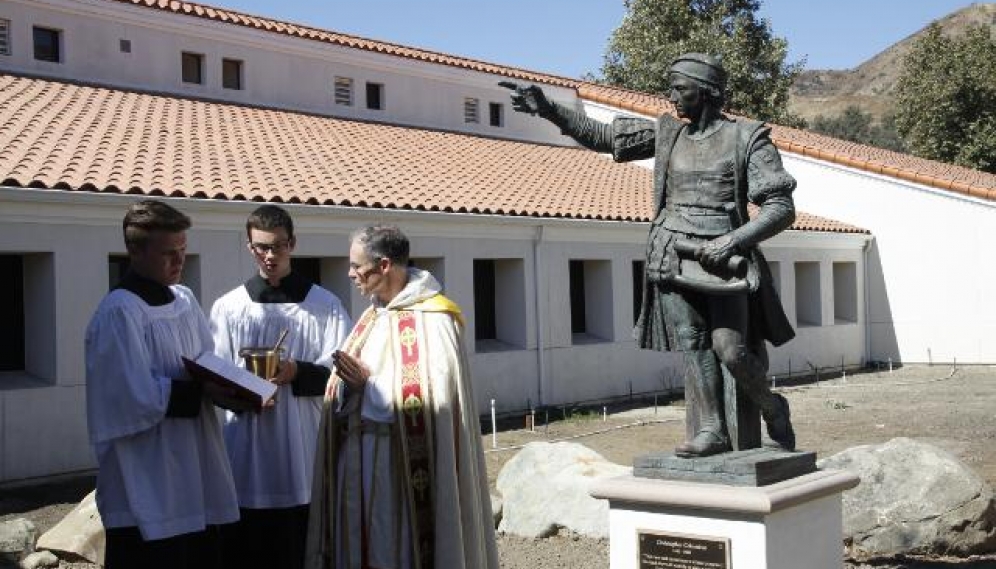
pixel 354 372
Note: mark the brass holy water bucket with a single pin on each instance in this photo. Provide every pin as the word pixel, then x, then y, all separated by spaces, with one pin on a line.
pixel 262 361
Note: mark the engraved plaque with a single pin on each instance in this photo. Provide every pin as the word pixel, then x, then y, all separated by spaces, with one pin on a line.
pixel 681 551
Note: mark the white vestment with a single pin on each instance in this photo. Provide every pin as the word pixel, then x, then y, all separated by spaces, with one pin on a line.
pixel 166 475
pixel 367 474
pixel 273 452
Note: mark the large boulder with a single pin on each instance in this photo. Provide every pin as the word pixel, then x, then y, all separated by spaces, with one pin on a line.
pixel 545 488
pixel 17 540
pixel 40 560
pixel 80 533
pixel 914 498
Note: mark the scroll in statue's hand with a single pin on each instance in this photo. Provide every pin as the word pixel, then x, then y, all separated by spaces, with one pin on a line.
pixel 715 254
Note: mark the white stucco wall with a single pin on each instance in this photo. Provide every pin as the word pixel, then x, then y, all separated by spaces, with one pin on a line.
pixel 929 270
pixel 278 70
pixel 71 234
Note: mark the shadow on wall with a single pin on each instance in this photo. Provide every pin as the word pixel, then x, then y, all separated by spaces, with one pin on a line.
pixel 882 344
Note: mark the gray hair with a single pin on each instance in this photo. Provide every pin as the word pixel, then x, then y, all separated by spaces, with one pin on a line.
pixel 383 242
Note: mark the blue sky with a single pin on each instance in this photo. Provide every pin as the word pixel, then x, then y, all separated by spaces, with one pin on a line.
pixel 568 37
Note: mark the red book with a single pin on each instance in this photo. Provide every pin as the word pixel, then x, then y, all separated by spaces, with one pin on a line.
pixel 232 387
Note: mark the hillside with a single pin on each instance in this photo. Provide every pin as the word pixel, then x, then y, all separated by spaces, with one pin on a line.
pixel 869 86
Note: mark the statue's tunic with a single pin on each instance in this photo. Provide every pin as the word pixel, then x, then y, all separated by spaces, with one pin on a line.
pixel 702 185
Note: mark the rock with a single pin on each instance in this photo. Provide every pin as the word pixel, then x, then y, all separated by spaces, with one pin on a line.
pixel 17 539
pixel 914 498
pixel 545 488
pixel 79 533
pixel 40 559
pixel 496 506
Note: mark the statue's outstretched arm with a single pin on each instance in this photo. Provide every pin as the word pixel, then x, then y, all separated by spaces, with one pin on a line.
pixel 591 134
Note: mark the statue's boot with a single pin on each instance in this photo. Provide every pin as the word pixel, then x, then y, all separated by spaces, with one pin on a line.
pixel 779 423
pixel 706 381
pixel 705 443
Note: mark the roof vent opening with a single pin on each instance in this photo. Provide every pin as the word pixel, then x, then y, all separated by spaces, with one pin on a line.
pixel 4 37
pixel 470 110
pixel 344 91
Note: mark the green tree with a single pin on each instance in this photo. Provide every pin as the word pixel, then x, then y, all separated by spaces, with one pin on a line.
pixel 946 98
pixel 858 126
pixel 654 32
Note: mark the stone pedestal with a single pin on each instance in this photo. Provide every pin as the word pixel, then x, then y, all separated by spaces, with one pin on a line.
pixel 682 524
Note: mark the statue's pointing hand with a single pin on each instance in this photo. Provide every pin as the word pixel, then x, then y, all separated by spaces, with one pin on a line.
pixel 528 99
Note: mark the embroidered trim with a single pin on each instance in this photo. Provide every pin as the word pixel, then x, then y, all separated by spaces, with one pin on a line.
pixel 415 420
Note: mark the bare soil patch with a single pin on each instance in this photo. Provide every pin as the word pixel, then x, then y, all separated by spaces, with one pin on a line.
pixel 951 408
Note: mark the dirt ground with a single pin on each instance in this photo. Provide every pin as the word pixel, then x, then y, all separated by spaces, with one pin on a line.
pixel 952 408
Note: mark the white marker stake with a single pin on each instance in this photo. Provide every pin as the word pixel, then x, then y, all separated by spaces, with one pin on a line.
pixel 494 426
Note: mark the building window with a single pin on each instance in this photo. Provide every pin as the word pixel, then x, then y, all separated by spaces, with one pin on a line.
pixel 27 337
pixel 638 270
pixel 808 303
pixel 47 44
pixel 117 267
pixel 192 67
pixel 845 293
pixel 484 300
pixel 499 301
pixel 12 313
pixel 124 46
pixel 375 96
pixel 330 273
pixel 470 113
pixel 497 112
pixel 344 91
pixel 4 37
pixel 231 74
pixel 591 300
pixel 308 267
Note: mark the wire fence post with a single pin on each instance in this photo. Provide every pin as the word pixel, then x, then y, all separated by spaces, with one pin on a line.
pixel 494 426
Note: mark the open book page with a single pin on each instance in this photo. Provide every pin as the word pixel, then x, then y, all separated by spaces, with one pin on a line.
pixel 241 389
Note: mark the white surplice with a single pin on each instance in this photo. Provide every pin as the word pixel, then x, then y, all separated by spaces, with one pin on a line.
pixel 462 528
pixel 168 476
pixel 273 452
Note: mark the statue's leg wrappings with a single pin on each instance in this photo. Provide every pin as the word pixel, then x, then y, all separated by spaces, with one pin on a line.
pixel 749 367
pixel 689 332
pixel 704 378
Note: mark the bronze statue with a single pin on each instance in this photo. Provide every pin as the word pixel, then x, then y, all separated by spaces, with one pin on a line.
pixel 707 289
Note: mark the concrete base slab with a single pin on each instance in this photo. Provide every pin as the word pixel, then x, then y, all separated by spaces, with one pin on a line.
pixel 681 524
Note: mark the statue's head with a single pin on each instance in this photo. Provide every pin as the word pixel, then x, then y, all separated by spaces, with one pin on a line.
pixel 697 80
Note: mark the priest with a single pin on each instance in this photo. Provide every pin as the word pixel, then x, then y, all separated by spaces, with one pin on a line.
pixel 400 481
pixel 164 487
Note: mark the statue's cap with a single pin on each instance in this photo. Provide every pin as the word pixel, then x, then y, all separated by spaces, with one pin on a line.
pixel 701 67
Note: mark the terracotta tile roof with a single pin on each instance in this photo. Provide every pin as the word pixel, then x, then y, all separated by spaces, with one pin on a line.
pixel 962 180
pixel 76 137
